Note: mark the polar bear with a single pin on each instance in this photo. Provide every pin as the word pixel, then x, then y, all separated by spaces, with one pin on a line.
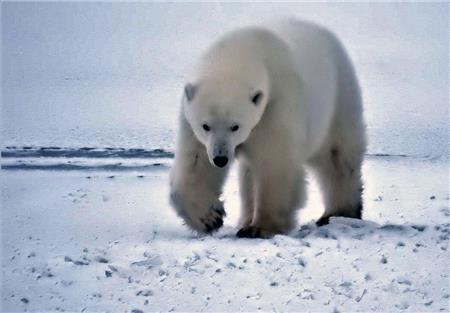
pixel 278 99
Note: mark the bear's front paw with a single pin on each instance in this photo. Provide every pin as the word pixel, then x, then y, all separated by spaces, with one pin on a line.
pixel 201 214
pixel 213 220
pixel 254 232
pixel 205 221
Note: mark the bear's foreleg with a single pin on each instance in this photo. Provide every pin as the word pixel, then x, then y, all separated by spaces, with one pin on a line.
pixel 195 184
pixel 279 191
pixel 246 189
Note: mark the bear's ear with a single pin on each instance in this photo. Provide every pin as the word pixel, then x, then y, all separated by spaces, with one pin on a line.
pixel 189 91
pixel 256 97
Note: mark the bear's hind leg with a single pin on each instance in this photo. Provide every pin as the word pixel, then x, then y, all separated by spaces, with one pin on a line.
pixel 339 175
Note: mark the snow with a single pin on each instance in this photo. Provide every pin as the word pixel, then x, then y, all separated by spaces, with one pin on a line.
pixel 88 241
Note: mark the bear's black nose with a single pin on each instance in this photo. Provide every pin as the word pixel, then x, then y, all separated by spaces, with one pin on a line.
pixel 220 161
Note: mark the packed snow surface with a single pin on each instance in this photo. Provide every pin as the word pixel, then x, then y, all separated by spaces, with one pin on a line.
pixel 94 240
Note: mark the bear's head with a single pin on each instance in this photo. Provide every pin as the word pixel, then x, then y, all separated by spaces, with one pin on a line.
pixel 223 111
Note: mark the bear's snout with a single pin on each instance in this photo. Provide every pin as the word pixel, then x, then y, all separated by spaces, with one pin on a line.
pixel 220 161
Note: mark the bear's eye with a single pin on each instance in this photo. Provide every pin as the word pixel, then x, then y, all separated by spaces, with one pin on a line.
pixel 206 127
pixel 256 97
pixel 234 128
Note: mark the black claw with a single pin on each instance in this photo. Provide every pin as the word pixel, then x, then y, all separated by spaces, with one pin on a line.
pixel 220 210
pixel 218 223
pixel 243 233
pixel 209 228
pixel 251 232
pixel 324 220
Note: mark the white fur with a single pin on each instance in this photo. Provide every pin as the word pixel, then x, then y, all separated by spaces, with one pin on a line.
pixel 310 114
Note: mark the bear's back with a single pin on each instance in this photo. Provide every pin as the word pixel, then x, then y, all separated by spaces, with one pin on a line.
pixel 317 54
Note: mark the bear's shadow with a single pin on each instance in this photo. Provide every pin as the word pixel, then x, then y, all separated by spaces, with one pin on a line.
pixel 343 227
pixel 356 229
pixel 339 227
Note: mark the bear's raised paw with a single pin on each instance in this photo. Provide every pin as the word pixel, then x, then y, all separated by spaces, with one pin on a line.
pixel 213 221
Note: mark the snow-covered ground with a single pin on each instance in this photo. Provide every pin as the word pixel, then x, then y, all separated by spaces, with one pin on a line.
pixel 93 240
